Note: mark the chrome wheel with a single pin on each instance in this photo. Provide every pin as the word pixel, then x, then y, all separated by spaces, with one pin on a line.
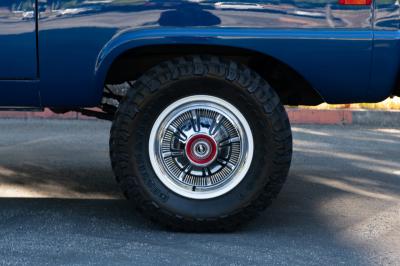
pixel 201 147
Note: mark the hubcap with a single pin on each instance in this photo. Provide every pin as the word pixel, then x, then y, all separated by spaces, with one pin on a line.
pixel 201 147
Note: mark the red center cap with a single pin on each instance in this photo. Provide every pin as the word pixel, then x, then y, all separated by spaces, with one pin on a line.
pixel 201 150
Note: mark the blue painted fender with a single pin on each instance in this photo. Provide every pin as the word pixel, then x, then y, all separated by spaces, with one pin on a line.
pixel 336 63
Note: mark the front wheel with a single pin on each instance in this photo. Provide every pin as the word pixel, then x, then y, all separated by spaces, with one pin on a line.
pixel 201 144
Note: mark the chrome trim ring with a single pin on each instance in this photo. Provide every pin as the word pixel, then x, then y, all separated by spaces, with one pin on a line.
pixel 220 152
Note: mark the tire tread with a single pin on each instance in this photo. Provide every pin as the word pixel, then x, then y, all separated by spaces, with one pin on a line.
pixel 199 65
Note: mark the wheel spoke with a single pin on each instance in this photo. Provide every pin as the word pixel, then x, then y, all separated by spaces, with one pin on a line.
pixel 227 164
pixel 195 121
pixel 206 171
pixel 229 141
pixel 178 133
pixel 172 154
pixel 215 125
pixel 184 172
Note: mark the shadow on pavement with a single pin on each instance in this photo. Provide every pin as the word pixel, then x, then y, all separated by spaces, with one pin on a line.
pixel 339 206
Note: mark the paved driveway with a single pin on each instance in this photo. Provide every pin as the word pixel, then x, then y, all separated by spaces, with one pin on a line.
pixel 60 205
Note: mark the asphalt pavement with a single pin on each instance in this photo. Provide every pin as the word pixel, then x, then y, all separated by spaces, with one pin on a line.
pixel 60 205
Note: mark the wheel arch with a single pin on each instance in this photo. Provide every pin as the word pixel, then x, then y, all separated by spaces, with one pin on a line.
pixel 144 49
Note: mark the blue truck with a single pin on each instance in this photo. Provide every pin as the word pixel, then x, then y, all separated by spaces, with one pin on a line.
pixel 195 89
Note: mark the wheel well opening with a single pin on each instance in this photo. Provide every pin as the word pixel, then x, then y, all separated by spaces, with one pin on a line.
pixel 292 88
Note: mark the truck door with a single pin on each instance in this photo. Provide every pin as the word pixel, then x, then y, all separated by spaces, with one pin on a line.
pixel 18 57
pixel 17 39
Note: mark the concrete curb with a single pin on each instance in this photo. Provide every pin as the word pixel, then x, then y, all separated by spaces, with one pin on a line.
pixel 46 114
pixel 345 117
pixel 296 116
pixel 377 118
pixel 320 117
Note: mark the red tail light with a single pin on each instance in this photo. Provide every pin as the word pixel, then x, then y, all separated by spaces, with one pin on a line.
pixel 356 2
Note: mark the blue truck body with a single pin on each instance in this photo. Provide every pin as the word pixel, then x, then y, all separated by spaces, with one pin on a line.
pixel 195 89
pixel 57 53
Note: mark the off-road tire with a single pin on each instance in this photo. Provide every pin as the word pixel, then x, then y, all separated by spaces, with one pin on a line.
pixel 206 75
